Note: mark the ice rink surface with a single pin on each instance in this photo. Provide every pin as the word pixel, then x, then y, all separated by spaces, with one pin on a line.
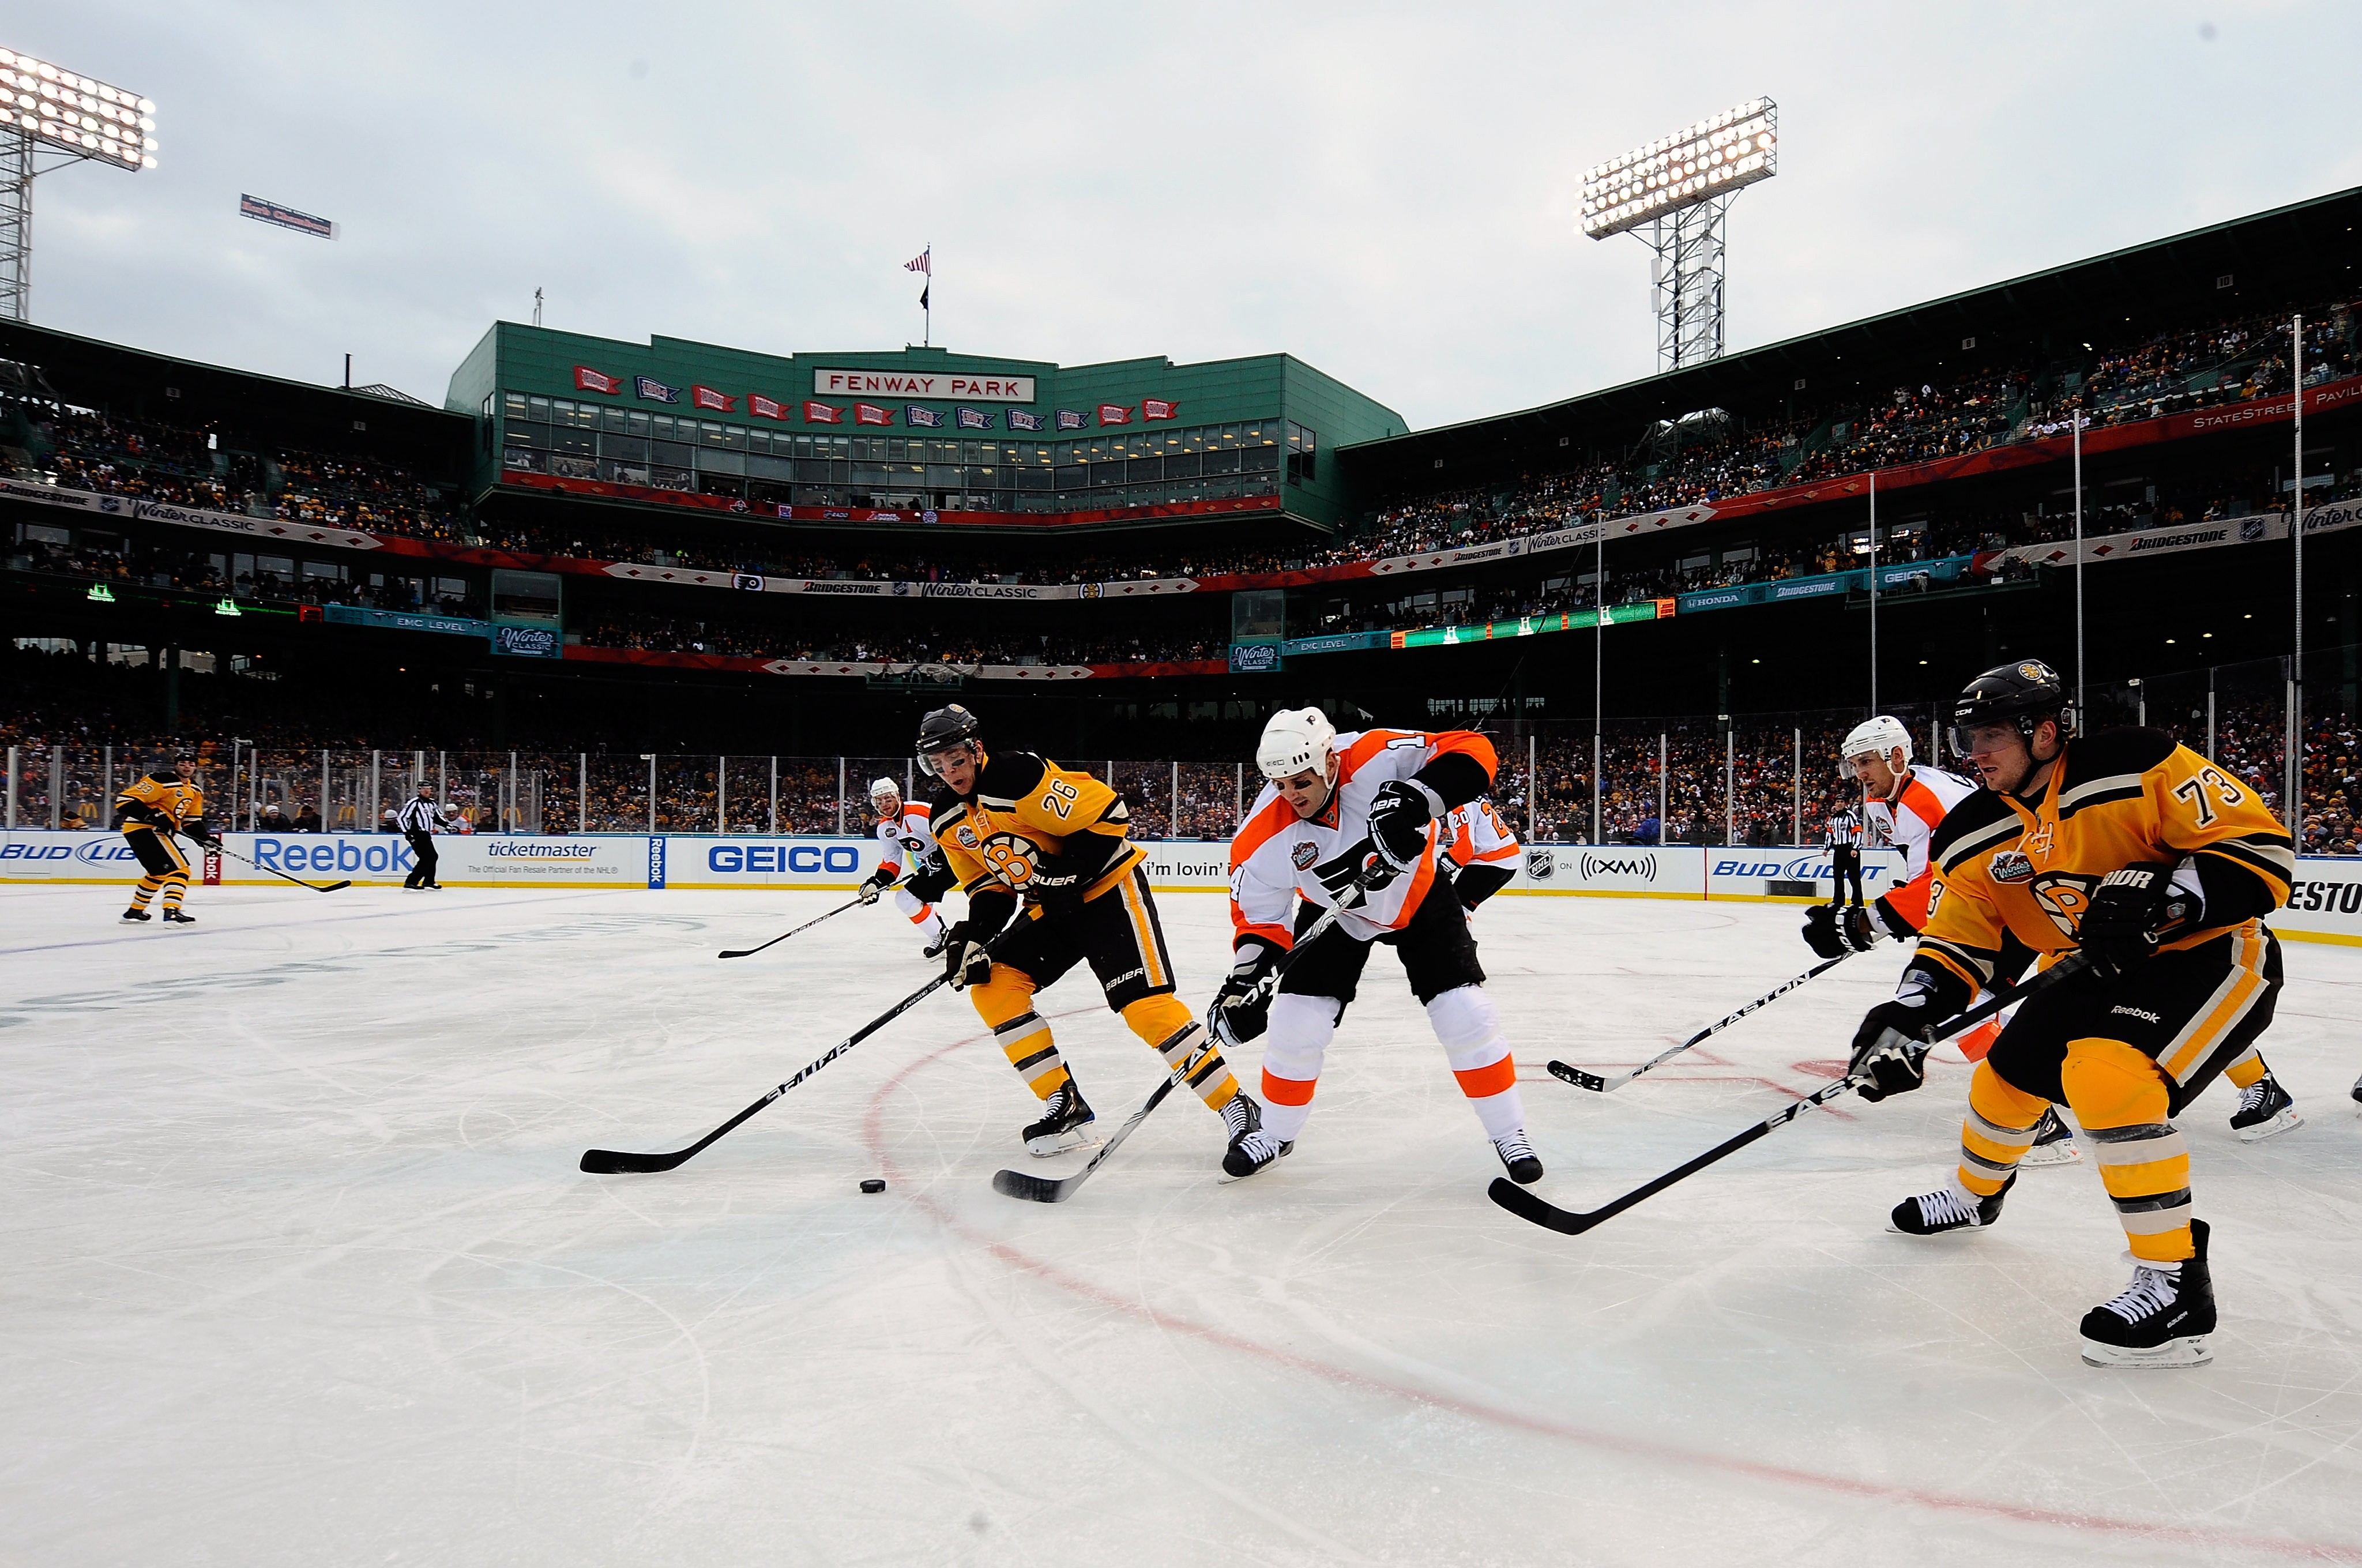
pixel 300 1269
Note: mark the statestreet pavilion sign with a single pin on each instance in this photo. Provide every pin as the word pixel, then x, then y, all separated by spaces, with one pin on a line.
pixel 977 387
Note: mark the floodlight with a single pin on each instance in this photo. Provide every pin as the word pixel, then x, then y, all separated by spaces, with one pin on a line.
pixel 1732 150
pixel 1677 188
pixel 76 118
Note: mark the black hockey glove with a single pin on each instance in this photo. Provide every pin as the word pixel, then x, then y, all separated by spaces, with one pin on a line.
pixel 877 882
pixel 932 880
pixel 1241 1011
pixel 1353 876
pixel 1834 930
pixel 2129 909
pixel 205 836
pixel 1891 1047
pixel 1057 886
pixel 966 963
pixel 1399 818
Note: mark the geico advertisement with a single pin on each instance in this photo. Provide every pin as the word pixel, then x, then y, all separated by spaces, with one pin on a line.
pixel 767 862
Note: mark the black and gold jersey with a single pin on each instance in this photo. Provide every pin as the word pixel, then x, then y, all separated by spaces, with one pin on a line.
pixel 160 800
pixel 2012 871
pixel 1027 811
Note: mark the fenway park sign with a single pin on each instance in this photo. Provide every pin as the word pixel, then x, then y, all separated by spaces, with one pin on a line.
pixel 975 386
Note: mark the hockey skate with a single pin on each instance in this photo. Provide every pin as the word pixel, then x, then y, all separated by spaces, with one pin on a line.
pixel 174 917
pixel 2162 1317
pixel 1251 1148
pixel 2357 1092
pixel 2265 1109
pixel 1524 1165
pixel 2054 1144
pixel 1946 1209
pixel 1066 1123
pixel 136 914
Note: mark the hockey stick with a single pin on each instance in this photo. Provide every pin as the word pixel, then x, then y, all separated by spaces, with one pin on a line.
pixel 750 951
pixel 1057 1189
pixel 612 1162
pixel 316 886
pixel 1574 1222
pixel 1581 1079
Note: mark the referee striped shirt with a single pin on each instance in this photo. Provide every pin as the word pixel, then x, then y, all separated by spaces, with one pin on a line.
pixel 417 816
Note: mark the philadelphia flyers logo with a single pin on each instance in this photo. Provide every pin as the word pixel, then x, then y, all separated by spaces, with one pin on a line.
pixel 2064 896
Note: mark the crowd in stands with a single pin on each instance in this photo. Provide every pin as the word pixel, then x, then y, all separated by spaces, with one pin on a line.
pixel 86 449
pixel 146 565
pixel 296 767
pixel 878 643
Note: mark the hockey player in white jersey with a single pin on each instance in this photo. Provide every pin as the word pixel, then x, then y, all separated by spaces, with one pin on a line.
pixel 903 828
pixel 1904 804
pixel 1480 851
pixel 1351 822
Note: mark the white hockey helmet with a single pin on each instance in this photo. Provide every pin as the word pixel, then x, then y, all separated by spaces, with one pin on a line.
pixel 1882 735
pixel 1295 741
pixel 884 790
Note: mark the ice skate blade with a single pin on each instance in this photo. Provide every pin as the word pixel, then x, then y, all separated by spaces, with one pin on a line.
pixel 2286 1121
pixel 2059 1154
pixel 2190 1350
pixel 1054 1144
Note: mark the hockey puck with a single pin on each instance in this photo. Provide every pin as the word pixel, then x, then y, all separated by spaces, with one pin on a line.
pixel 873 1184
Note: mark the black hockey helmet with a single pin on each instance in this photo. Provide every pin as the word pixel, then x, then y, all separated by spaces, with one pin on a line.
pixel 944 728
pixel 2026 692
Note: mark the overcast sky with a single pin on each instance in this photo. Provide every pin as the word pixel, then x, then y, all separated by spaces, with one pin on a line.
pixel 1388 193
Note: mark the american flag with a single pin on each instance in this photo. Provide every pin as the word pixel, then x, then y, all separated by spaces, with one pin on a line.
pixel 921 263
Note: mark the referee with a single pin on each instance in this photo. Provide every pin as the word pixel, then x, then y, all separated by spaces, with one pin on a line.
pixel 417 824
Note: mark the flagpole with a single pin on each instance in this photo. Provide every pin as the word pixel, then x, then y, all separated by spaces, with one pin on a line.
pixel 927 298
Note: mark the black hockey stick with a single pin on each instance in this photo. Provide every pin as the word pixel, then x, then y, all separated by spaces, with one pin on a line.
pixel 1583 1079
pixel 1574 1222
pixel 1057 1189
pixel 612 1162
pixel 750 951
pixel 234 855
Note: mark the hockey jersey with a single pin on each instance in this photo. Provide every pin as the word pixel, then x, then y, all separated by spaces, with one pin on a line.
pixel 1475 834
pixel 2006 868
pixel 1027 814
pixel 161 801
pixel 904 836
pixel 1276 855
pixel 1907 820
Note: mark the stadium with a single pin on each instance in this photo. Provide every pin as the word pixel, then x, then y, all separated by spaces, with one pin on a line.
pixel 631 638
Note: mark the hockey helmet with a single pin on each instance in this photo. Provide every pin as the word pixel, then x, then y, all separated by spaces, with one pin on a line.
pixel 2025 693
pixel 884 790
pixel 944 728
pixel 1296 739
pixel 1880 736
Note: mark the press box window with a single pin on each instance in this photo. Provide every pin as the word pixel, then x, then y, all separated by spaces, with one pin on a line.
pixel 1303 454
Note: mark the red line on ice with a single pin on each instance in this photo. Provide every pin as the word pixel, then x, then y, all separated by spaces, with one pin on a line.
pixel 1757 1470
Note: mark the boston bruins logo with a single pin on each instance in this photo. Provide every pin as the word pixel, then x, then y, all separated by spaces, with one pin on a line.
pixel 2064 897
pixel 1011 857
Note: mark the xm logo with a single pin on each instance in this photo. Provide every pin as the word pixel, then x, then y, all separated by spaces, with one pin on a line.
pixel 1641 866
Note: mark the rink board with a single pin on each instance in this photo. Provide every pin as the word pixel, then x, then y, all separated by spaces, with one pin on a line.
pixel 2325 907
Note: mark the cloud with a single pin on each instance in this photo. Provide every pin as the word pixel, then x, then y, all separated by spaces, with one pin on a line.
pixel 1388 193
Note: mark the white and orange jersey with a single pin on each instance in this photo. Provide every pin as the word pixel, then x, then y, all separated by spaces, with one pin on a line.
pixel 904 836
pixel 1907 820
pixel 1477 835
pixel 1275 855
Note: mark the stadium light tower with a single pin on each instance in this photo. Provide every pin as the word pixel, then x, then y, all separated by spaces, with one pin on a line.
pixel 1677 188
pixel 50 118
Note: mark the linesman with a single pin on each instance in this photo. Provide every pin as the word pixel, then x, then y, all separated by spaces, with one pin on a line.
pixel 418 822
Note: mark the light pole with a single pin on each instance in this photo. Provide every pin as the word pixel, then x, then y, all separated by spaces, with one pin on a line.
pixel 50 117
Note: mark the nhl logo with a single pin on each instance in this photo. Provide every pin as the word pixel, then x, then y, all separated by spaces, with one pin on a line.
pixel 1541 865
pixel 2251 530
pixel 1303 855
